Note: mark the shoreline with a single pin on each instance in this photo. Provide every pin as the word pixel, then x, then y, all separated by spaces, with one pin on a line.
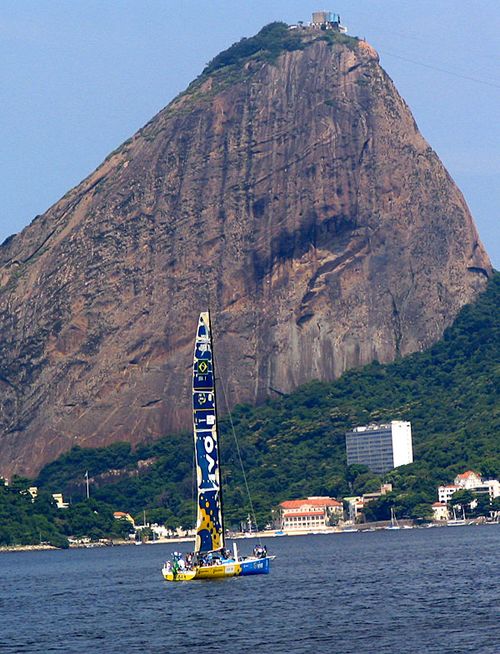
pixel 236 536
pixel 27 548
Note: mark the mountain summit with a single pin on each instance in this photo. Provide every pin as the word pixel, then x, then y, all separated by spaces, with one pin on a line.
pixel 289 191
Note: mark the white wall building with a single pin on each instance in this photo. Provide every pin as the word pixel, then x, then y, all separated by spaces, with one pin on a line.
pixel 469 480
pixel 59 500
pixel 380 447
pixel 445 493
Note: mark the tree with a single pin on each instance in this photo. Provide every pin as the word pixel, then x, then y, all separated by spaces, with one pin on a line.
pixel 462 499
pixel 421 512
pixel 483 505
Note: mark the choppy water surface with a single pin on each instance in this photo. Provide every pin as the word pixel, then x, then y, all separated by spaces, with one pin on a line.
pixel 426 590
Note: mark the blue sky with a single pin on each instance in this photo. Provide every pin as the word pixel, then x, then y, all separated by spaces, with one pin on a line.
pixel 78 77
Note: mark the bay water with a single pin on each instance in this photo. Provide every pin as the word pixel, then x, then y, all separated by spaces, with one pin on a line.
pixel 398 592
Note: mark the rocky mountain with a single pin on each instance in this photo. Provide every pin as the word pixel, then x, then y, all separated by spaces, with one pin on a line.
pixel 289 190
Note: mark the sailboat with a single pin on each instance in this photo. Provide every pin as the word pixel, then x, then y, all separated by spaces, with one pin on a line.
pixel 211 559
pixel 394 523
pixel 457 522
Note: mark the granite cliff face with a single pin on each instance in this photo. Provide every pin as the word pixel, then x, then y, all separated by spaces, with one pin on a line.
pixel 295 197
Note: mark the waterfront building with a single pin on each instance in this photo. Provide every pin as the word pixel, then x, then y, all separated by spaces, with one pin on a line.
pixel 440 511
pixel 160 531
pixel 493 486
pixel 470 480
pixel 371 497
pixel 310 513
pixel 356 504
pixel 380 447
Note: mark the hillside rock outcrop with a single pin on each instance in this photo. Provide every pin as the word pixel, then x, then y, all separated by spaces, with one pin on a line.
pixel 294 197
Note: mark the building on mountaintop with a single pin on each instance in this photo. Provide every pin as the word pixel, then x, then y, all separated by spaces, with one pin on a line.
pixel 322 20
pixel 327 20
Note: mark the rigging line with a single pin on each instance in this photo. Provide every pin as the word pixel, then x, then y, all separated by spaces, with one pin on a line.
pixel 238 452
pixel 442 70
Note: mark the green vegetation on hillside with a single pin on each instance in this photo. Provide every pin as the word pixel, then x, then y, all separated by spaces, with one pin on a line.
pixel 25 520
pixel 270 42
pixel 266 45
pixel 294 446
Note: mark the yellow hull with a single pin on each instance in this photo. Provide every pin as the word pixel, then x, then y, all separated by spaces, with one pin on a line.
pixel 206 572
pixel 241 567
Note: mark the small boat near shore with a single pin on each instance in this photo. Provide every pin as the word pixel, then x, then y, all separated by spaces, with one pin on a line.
pixel 457 522
pixel 394 523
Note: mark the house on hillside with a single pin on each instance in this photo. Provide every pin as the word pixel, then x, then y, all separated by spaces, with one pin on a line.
pixel 470 480
pixel 445 493
pixel 59 500
pixel 121 515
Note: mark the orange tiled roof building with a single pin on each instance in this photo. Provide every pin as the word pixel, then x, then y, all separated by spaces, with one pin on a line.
pixel 311 513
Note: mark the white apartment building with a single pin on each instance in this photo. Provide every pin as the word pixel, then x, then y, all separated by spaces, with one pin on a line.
pixel 380 447
pixel 445 492
pixel 472 481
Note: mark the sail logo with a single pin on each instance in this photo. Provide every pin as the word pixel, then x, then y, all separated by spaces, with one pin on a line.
pixel 209 443
pixel 207 458
pixel 203 375
pixel 203 400
pixel 204 419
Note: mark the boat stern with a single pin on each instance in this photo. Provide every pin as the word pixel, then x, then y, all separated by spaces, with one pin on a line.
pixel 255 566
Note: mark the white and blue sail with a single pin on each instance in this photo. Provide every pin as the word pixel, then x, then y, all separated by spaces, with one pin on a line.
pixel 209 526
pixel 213 560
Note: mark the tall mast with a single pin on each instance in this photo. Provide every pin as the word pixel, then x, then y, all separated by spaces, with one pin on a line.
pixel 221 502
pixel 209 526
